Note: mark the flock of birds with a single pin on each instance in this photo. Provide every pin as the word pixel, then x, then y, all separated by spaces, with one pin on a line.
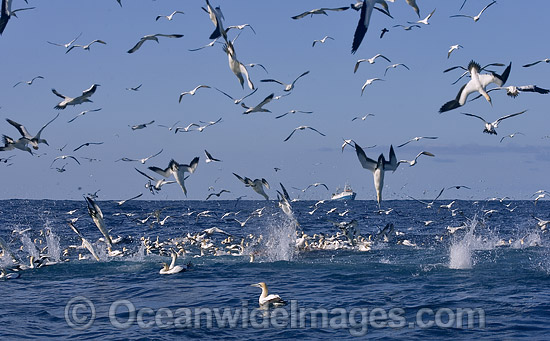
pixel 480 78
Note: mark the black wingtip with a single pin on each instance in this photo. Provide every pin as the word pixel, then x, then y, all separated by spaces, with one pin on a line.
pixel 449 106
pixel 506 73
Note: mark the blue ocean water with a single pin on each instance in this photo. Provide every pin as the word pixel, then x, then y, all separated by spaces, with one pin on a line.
pixel 418 281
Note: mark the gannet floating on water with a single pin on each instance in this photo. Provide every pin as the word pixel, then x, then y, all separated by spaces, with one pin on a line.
pixel 478 82
pixel 33 140
pixel 265 299
pixel 178 170
pixel 28 82
pixel 491 126
pixel 77 100
pixel 152 37
pixel 377 168
pixel 172 268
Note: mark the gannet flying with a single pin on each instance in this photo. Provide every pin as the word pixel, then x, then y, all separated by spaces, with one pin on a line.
pixel 87 144
pixel 364 19
pixel 217 194
pixel 145 159
pixel 192 92
pixel 256 185
pixel 86 47
pixel 302 128
pixel 178 170
pixel 34 141
pixel 142 125
pixel 288 87
pixel 85 242
pixel 514 91
pixel 413 162
pixel 122 202
pixel 236 66
pixel 545 60
pixel 293 112
pixel 418 138
pixel 259 107
pixel 28 82
pixel 319 11
pixel 377 168
pixel 7 13
pixel 322 41
pixel 265 299
pixel 369 82
pixel 156 184
pixel 77 100
pixel 425 20
pixel 511 136
pixel 239 100
pixel 370 60
pixel 67 45
pixel 97 216
pixel 475 18
pixel 452 48
pixel 394 66
pixel 210 158
pixel 82 113
pixel 169 17
pixel 478 82
pixel 216 17
pixel 490 127
pixel 152 37
pixel 10 144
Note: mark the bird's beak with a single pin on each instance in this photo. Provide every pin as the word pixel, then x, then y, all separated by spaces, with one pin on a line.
pixel 255 285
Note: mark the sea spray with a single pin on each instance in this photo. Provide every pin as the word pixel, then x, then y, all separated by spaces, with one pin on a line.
pixel 461 251
pixel 29 246
pixel 280 239
pixel 54 250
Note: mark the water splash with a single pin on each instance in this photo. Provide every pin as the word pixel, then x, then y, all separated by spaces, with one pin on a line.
pixel 139 255
pixel 54 250
pixel 29 246
pixel 461 251
pixel 280 239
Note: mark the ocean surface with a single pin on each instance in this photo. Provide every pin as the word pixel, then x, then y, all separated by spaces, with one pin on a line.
pixel 490 278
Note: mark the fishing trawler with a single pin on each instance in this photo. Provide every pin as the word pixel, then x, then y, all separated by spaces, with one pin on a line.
pixel 346 194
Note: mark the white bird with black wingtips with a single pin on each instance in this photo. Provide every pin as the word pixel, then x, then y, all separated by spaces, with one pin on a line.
pixel 178 170
pixel 491 126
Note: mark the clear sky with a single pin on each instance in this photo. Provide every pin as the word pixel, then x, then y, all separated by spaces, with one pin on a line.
pixel 405 104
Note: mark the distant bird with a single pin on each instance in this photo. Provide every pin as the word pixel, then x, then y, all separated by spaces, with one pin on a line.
pixel 86 145
pixel 67 45
pixel 545 60
pixel 210 158
pixel 475 18
pixel 425 20
pixel 142 125
pixel 294 112
pixel 322 41
pixel 122 202
pixel 418 138
pixel 169 128
pixel 302 128
pixel 178 171
pixel 33 140
pixel 413 162
pixel 490 127
pixel 158 183
pixel 407 28
pixel 86 47
pixel 362 118
pixel 393 66
pixel 378 168
pixel 64 157
pixel 192 92
pixel 77 100
pixel 369 82
pixel 348 143
pixel 82 113
pixel 257 64
pixel 217 194
pixel 431 203
pixel 10 144
pixel 28 82
pixel 288 87
pixel 315 185
pixel 169 17
pixel 259 107
pixel 208 124
pixel 185 129
pixel 319 11
pixel 364 19
pixel 145 159
pixel 266 300
pixel 370 60
pixel 237 101
pixel 152 37
pixel 238 68
pixel 136 88
pixel 453 48
pixel 383 32
pixel 7 13
pixel 511 136
pixel 514 91
pixel 256 185
pixel 478 82
pixel 459 187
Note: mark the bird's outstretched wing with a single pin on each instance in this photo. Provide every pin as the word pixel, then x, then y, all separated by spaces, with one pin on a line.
pixel 366 162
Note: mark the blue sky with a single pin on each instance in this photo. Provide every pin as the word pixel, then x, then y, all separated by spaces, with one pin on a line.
pixel 405 104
